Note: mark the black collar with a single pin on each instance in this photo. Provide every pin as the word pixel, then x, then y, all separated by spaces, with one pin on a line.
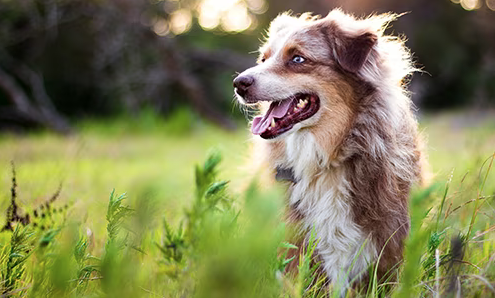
pixel 285 174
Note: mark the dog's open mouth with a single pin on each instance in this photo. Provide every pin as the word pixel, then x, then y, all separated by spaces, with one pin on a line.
pixel 283 115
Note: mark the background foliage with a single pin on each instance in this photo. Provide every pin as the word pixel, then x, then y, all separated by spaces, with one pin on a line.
pixel 71 59
pixel 184 230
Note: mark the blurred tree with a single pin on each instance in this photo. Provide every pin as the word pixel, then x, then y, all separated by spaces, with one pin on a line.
pixel 76 58
pixel 102 57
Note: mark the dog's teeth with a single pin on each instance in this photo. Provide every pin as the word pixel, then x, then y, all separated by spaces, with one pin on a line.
pixel 273 122
pixel 301 101
pixel 295 109
pixel 305 102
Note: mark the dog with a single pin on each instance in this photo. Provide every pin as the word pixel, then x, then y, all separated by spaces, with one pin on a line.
pixel 337 122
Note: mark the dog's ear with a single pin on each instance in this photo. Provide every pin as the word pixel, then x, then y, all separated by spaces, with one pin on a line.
pixel 351 52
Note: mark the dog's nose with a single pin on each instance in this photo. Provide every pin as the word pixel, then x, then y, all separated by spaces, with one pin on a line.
pixel 242 83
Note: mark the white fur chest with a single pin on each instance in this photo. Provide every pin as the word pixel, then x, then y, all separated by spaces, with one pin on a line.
pixel 321 196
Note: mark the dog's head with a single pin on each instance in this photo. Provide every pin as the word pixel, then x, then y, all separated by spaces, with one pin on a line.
pixel 312 72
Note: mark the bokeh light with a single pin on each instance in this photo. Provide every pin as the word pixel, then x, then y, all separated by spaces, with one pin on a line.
pixel 161 28
pixel 237 19
pixel 180 21
pixel 490 4
pixel 208 15
pixel 474 4
pixel 470 4
pixel 257 6
pixel 225 15
pixel 230 15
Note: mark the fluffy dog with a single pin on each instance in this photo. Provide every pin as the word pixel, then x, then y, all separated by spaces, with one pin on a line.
pixel 337 122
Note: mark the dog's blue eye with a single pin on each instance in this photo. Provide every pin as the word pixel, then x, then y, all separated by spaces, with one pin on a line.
pixel 298 59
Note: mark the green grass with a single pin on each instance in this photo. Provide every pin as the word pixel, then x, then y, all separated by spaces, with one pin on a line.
pixel 130 157
pixel 184 230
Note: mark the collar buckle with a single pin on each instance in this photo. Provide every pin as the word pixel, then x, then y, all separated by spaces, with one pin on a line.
pixel 285 174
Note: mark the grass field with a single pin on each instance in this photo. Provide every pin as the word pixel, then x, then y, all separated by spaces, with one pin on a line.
pixel 87 245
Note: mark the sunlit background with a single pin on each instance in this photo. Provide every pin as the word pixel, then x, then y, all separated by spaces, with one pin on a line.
pixel 81 59
pixel 475 4
pixel 237 15
pixel 231 16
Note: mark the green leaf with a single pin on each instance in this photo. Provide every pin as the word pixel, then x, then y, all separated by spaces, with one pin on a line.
pixel 216 188
pixel 288 245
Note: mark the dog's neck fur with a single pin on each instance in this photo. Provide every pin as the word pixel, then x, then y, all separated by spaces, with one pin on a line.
pixel 356 200
pixel 321 196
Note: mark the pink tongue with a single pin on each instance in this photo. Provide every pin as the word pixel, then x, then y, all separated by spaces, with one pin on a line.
pixel 276 110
